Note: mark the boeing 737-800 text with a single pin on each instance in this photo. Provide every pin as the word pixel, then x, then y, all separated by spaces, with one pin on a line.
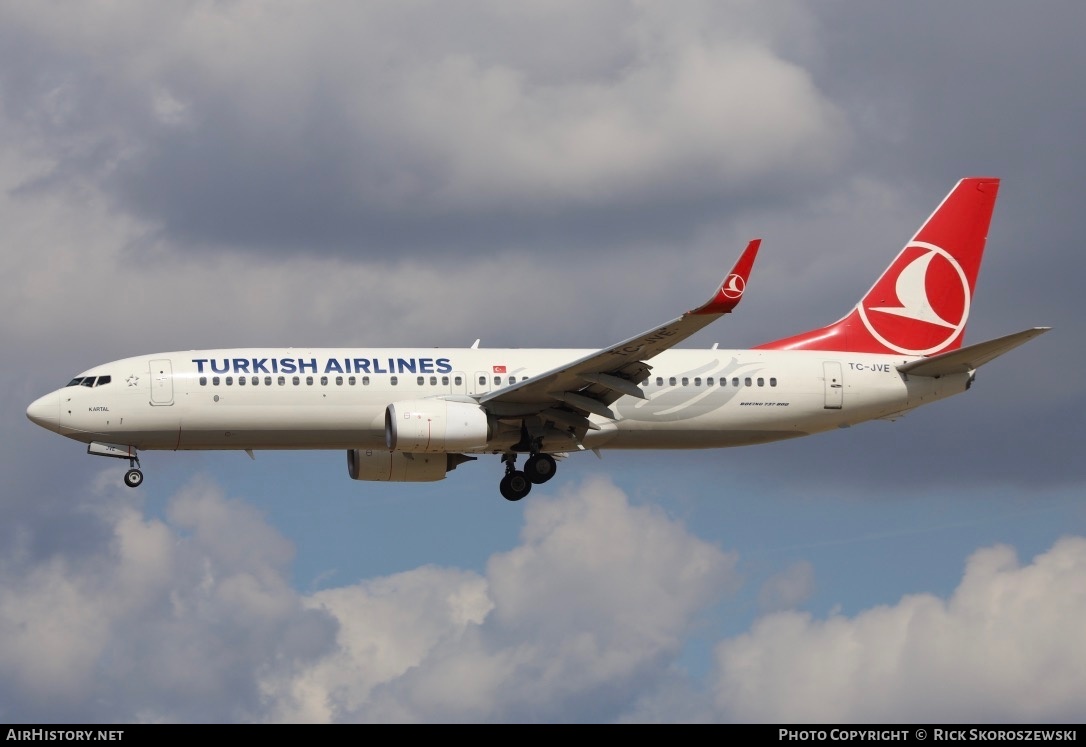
pixel 416 414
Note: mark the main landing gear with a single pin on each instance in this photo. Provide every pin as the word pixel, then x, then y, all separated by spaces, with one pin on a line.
pixel 537 470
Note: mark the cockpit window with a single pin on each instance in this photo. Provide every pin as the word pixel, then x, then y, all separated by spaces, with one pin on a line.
pixel 89 381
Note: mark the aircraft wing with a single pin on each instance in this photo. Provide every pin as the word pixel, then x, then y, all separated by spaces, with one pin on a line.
pixel 566 395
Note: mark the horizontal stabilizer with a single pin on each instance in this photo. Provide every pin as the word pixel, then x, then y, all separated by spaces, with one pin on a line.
pixel 969 358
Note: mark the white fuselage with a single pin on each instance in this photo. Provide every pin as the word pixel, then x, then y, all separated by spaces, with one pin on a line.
pixel 331 398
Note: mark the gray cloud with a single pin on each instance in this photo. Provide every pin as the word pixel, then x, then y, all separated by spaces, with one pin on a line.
pixel 357 130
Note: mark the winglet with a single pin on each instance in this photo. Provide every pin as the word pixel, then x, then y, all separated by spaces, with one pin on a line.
pixel 730 292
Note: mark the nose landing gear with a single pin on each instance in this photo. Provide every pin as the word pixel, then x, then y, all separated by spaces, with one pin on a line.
pixel 133 478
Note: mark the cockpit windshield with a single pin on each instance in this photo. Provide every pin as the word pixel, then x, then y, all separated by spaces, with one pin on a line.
pixel 90 381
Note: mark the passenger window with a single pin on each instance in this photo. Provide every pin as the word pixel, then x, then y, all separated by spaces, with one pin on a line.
pixel 229 380
pixel 324 381
pixel 512 379
pixel 697 381
pixel 773 381
pixel 686 381
pixel 203 381
pixel 214 381
pixel 351 380
pixel 297 381
pixel 671 381
pixel 458 381
pixel 497 380
pixel 282 381
pixel 421 380
pixel 746 381
pixel 444 380
pixel 394 380
pixel 309 381
pixel 709 381
pixel 761 381
pixel 365 381
pixel 267 381
pixel 659 381
pixel 482 380
pixel 339 381
pixel 241 381
pixel 735 381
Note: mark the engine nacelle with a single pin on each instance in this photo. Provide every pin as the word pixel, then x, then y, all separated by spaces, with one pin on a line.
pixel 395 466
pixel 435 425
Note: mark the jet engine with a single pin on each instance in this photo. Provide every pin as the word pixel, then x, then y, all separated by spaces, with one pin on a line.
pixel 435 426
pixel 396 466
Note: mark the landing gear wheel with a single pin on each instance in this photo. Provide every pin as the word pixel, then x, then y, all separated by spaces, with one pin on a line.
pixel 133 478
pixel 515 486
pixel 540 467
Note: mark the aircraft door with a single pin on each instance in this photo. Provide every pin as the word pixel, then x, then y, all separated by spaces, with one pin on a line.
pixel 835 385
pixel 161 382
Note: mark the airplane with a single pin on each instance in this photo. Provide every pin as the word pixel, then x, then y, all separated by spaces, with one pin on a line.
pixel 414 415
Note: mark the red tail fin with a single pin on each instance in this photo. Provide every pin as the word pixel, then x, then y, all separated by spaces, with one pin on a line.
pixel 920 304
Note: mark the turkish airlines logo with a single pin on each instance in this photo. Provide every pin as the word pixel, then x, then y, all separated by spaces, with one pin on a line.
pixel 733 286
pixel 919 305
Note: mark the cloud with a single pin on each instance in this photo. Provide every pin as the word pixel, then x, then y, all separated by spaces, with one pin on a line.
pixel 787 589
pixel 592 605
pixel 356 129
pixel 191 618
pixel 1006 646
pixel 166 622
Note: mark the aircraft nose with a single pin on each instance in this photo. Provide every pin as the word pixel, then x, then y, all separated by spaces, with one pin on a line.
pixel 45 411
